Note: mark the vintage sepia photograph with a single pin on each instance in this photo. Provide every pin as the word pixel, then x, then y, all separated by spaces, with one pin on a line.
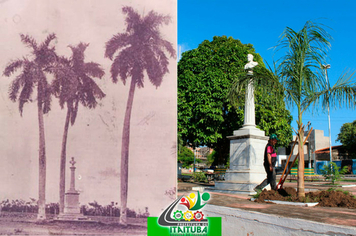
pixel 88 115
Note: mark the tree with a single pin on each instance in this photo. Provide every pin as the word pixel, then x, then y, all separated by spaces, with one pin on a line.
pixel 73 84
pixel 206 114
pixel 300 74
pixel 347 137
pixel 33 75
pixel 332 172
pixel 141 48
pixel 186 157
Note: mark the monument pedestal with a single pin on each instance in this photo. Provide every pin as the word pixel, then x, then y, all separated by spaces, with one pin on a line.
pixel 247 146
pixel 71 210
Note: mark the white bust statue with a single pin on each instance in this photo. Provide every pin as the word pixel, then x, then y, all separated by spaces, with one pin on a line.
pixel 251 64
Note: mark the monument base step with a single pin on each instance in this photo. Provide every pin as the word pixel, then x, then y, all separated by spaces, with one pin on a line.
pixel 234 185
pixel 74 217
pixel 231 191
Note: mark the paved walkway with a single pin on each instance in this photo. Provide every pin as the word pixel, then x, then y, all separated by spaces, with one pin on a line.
pixel 329 215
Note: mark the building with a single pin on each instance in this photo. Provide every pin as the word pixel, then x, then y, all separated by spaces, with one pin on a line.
pixel 339 153
pixel 201 153
pixel 316 141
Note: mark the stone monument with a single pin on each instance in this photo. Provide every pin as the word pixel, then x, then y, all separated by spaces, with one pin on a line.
pixel 247 147
pixel 71 207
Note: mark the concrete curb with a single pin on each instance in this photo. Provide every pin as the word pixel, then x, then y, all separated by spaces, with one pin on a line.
pixel 241 222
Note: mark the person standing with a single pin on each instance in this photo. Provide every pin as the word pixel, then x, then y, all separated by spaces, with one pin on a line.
pixel 270 159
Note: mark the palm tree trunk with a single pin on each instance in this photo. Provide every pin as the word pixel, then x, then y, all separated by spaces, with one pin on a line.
pixel 42 165
pixel 300 178
pixel 125 145
pixel 62 177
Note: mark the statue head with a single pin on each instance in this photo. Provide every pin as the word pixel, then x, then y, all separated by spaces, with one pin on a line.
pixel 249 57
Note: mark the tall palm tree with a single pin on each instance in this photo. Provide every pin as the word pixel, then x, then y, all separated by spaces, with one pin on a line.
pixel 140 48
pixel 33 75
pixel 300 74
pixel 73 84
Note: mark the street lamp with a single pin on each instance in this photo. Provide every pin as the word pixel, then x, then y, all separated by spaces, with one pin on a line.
pixel 325 67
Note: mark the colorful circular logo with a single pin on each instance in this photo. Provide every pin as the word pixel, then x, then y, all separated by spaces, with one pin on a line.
pixel 178 215
pixel 188 215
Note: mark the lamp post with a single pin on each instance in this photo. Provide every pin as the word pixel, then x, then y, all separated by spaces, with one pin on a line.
pixel 325 67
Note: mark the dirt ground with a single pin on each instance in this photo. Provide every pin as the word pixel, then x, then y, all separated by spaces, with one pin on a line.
pixel 326 198
pixel 13 225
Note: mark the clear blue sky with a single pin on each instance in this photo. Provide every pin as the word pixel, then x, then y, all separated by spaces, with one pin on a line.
pixel 262 22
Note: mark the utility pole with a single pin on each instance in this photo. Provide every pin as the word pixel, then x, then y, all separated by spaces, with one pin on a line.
pixel 325 67
pixel 195 153
pixel 309 153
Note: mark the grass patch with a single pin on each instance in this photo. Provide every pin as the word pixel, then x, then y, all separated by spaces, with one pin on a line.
pixel 349 180
pixel 188 174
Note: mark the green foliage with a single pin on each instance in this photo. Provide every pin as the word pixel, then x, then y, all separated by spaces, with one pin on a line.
pixel 186 157
pixel 302 78
pixel 211 157
pixel 341 190
pixel 347 137
pixel 273 117
pixel 205 112
pixel 200 177
pixel 332 172
pixel 307 199
pixel 296 163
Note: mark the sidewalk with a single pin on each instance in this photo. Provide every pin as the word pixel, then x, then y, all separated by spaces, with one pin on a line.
pixel 327 215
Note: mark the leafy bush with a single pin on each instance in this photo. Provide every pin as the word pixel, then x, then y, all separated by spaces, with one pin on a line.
pixel 332 172
pixel 92 209
pixel 200 177
pixel 95 209
pixel 186 157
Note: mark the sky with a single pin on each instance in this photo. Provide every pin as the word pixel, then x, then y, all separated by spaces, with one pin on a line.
pixel 262 22
pixel 95 138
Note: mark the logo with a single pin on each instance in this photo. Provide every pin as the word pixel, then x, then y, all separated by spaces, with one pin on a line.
pixel 185 216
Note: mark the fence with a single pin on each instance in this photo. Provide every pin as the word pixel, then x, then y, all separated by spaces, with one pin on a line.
pixel 351 163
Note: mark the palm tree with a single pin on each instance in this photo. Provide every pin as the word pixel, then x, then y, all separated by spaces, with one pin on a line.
pixel 300 73
pixel 73 84
pixel 140 48
pixel 33 75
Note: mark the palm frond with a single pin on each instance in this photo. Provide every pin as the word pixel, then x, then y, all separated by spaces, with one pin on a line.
pixel 13 66
pixel 77 58
pixel 305 51
pixel 47 99
pixel 48 40
pixel 137 75
pixel 14 88
pixel 90 86
pixel 29 41
pixel 115 43
pixel 74 112
pixel 154 20
pixel 156 66
pixel 122 65
pixel 169 47
pixel 94 69
pixel 25 94
pixel 132 19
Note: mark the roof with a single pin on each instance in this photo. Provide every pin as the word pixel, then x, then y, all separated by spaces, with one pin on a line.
pixel 327 149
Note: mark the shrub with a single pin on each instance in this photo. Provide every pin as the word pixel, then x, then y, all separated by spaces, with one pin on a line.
pixel 199 177
pixel 332 172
